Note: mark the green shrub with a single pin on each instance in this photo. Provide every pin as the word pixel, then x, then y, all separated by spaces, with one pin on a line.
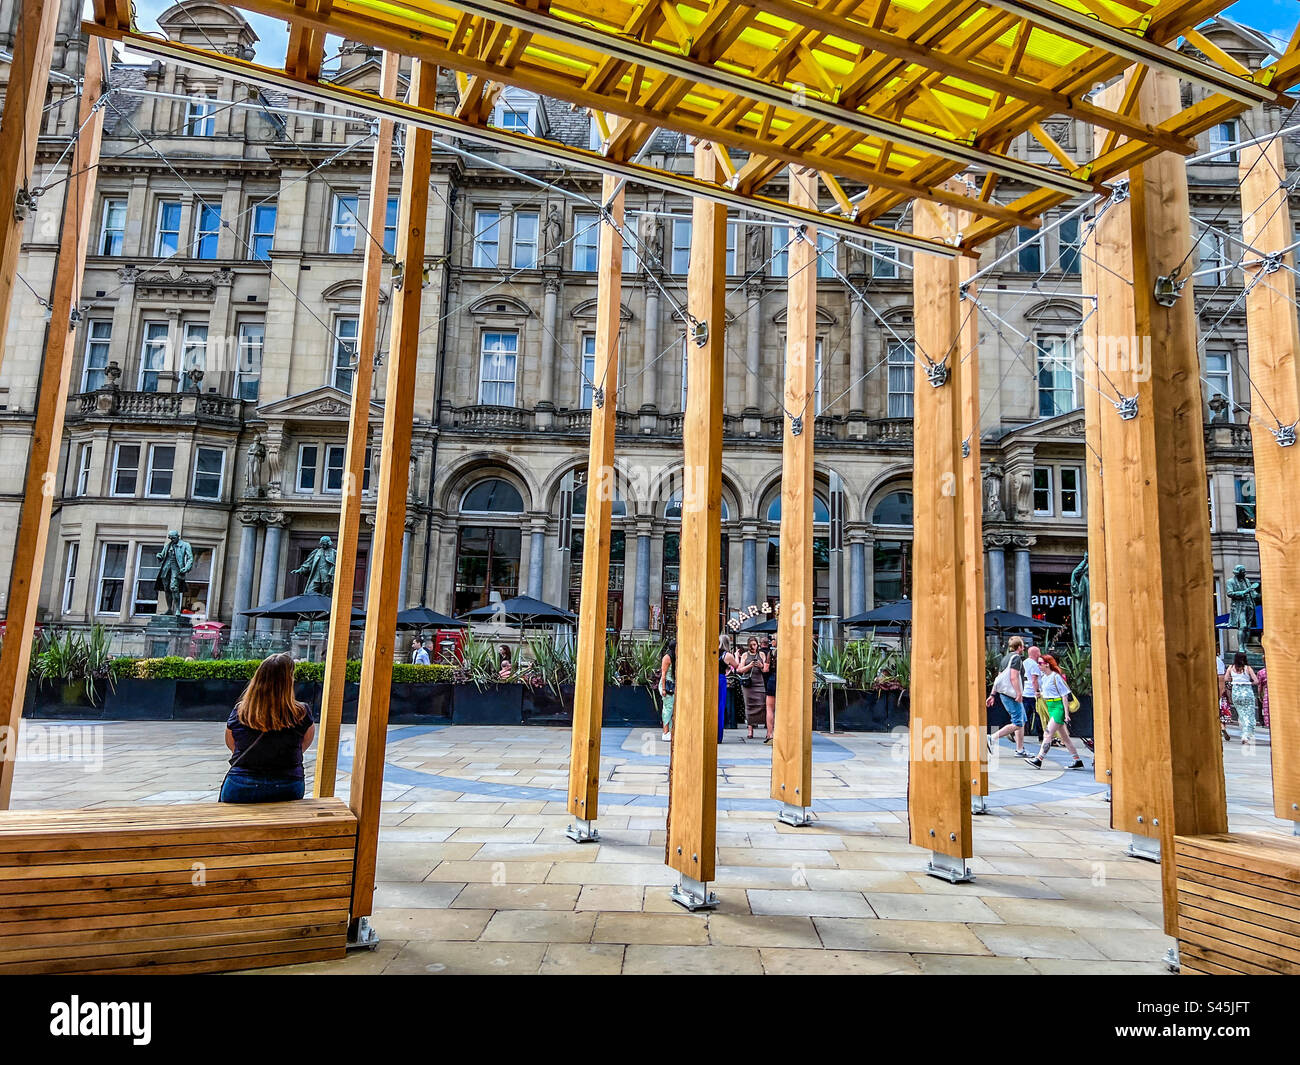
pixel 176 668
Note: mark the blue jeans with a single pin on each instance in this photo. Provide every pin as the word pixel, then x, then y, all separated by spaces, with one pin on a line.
pixel 1015 710
pixel 241 785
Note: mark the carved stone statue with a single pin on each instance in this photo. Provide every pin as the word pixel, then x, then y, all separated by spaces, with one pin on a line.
pixel 253 465
pixel 174 561
pixel 755 253
pixel 318 568
pixel 652 241
pixel 1022 490
pixel 1218 409
pixel 1243 595
pixel 993 492
pixel 554 231
pixel 1080 593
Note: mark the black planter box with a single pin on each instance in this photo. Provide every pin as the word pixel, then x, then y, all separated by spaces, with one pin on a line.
pixel 412 703
pixel 635 707
pixel 493 704
pixel 859 711
pixel 67 701
pixel 542 705
pixel 141 700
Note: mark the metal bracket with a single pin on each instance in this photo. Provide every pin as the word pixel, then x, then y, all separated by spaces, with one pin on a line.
pixel 582 831
pixel 1119 192
pixel 946 867
pixel 1168 289
pixel 1145 847
pixel 598 398
pixel 74 316
pixel 24 203
pixel 362 935
pixel 796 425
pixel 399 274
pixel 937 373
pixel 979 804
pixel 965 449
pixel 700 333
pixel 694 894
pixel 1172 960
pixel 798 816
pixel 1127 407
pixel 1285 434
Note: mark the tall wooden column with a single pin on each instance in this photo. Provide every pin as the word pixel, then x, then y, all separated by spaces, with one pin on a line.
pixel 939 785
pixel 20 128
pixel 1274 344
pixel 1166 758
pixel 693 772
pixel 1106 264
pixel 390 510
pixel 345 569
pixel 589 689
pixel 47 427
pixel 792 740
pixel 969 487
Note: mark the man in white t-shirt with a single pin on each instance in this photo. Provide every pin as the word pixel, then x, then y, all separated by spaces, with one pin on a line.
pixel 1033 678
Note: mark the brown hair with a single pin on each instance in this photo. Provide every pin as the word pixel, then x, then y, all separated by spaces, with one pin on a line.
pixel 267 704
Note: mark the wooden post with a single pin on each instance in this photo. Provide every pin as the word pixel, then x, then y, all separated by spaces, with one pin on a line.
pixel 792 740
pixel 975 685
pixel 47 427
pixel 589 689
pixel 1274 344
pixel 939 788
pixel 1166 758
pixel 1108 247
pixel 20 128
pixel 693 773
pixel 336 655
pixel 390 510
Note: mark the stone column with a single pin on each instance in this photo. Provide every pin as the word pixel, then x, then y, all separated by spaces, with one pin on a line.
pixel 402 601
pixel 1022 545
pixel 749 566
pixel 995 570
pixel 268 588
pixel 641 594
pixel 650 370
pixel 857 367
pixel 857 573
pixel 753 345
pixel 537 557
pixel 546 380
pixel 244 572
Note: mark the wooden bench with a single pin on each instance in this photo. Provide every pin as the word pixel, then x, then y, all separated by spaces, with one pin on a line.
pixel 202 887
pixel 1238 904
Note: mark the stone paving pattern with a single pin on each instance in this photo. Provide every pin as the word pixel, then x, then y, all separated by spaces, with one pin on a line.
pixel 476 875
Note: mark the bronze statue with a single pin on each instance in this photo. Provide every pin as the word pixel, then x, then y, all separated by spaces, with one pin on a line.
pixel 1080 618
pixel 174 561
pixel 318 568
pixel 1243 596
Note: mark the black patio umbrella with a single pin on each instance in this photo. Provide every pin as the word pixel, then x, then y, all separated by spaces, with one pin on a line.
pixel 1224 621
pixel 759 625
pixel 521 610
pixel 898 614
pixel 300 608
pixel 1009 619
pixel 421 617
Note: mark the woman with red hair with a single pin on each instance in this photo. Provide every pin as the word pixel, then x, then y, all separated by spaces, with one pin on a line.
pixel 1054 692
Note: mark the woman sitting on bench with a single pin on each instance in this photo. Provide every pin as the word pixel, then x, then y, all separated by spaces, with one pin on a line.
pixel 267 732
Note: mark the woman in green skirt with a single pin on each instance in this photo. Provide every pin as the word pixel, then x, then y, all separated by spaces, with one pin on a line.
pixel 1054 693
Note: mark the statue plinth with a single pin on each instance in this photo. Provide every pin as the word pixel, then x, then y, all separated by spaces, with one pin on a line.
pixel 168 634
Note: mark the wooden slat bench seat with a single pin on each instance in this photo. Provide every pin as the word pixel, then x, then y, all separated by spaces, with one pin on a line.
pixel 201 887
pixel 1238 904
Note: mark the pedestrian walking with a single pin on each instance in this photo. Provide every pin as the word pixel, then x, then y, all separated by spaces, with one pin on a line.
pixel 727 663
pixel 1263 694
pixel 1240 683
pixel 769 686
pixel 753 681
pixel 667 687
pixel 1056 694
pixel 419 654
pixel 1033 679
pixel 1009 693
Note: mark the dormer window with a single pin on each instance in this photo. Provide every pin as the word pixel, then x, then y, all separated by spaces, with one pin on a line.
pixel 200 116
pixel 519 112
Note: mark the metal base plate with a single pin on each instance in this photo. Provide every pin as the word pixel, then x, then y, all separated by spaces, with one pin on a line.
pixel 798 816
pixel 694 895
pixel 362 935
pixel 1145 847
pixel 582 832
pixel 1172 960
pixel 979 804
pixel 946 867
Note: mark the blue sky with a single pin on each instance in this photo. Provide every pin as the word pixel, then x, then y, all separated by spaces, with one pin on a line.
pixel 1275 17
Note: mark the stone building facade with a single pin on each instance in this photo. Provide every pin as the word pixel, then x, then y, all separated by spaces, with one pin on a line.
pixel 219 318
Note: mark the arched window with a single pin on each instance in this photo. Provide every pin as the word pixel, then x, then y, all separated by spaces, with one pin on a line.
pixel 673 509
pixel 821 512
pixel 893 509
pixel 492 496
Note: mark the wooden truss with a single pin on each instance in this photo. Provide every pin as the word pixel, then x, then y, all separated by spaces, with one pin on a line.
pixel 886 100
